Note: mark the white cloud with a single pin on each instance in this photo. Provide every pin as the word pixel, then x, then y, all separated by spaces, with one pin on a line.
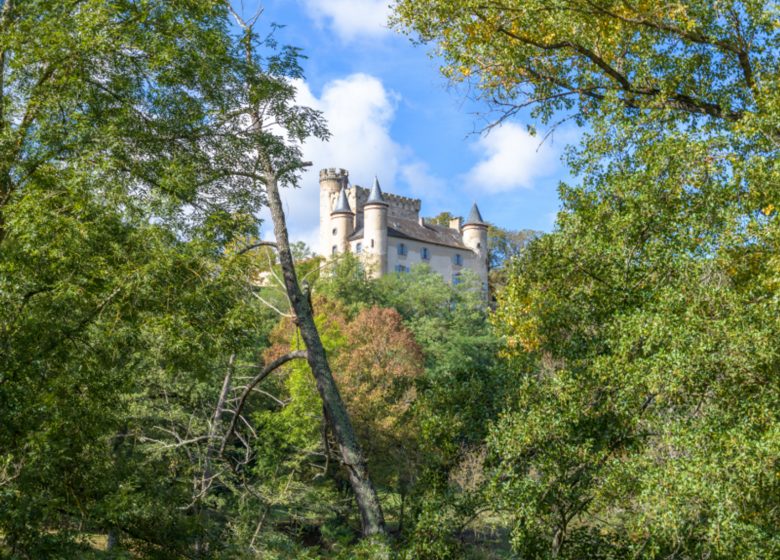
pixel 510 159
pixel 417 175
pixel 359 111
pixel 351 19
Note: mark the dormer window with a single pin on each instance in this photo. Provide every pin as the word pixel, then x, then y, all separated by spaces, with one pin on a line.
pixel 425 253
pixel 459 260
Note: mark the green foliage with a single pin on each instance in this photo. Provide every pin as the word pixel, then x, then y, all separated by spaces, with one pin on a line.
pixel 644 326
pixel 123 178
pixel 642 330
pixel 443 219
pixel 347 279
pixel 504 247
pixel 450 322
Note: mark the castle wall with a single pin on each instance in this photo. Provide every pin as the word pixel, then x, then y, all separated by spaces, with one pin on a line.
pixel 442 258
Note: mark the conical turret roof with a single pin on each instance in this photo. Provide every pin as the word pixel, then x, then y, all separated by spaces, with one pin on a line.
pixel 376 193
pixel 475 218
pixel 343 204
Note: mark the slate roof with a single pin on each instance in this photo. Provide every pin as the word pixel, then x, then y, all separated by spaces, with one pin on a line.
pixel 376 193
pixel 474 217
pixel 411 229
pixel 343 204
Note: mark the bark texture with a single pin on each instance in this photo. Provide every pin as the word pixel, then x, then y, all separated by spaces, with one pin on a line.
pixel 336 412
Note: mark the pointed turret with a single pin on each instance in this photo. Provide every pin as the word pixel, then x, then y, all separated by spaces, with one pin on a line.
pixel 376 193
pixel 475 236
pixel 475 218
pixel 375 229
pixel 342 205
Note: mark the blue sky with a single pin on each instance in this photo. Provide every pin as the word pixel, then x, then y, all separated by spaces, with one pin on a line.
pixel 390 113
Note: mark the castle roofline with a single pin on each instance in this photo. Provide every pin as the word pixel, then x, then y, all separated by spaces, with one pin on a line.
pixel 342 206
pixel 474 218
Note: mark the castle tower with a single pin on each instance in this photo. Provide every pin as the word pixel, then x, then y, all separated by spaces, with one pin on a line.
pixel 341 221
pixel 475 237
pixel 375 228
pixel 332 181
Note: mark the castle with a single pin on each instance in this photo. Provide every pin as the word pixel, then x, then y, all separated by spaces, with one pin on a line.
pixel 389 233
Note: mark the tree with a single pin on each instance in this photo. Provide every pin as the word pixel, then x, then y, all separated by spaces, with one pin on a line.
pixel 556 56
pixel 504 246
pixel 120 182
pixel 277 161
pixel 639 328
pixel 376 361
pixel 450 322
pixel 443 219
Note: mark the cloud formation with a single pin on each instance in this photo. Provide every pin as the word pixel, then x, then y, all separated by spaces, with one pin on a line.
pixel 510 158
pixel 351 19
pixel 359 111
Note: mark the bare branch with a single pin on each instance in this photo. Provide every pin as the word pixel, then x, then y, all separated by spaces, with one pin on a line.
pixel 256 245
pixel 302 354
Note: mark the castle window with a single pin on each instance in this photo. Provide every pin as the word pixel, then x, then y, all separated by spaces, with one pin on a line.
pixel 456 279
pixel 459 259
pixel 402 249
pixel 401 268
pixel 335 250
pixel 372 243
pixel 479 245
pixel 358 248
pixel 335 231
pixel 425 253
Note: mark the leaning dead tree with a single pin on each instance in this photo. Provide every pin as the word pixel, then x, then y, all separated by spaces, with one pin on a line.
pixel 274 164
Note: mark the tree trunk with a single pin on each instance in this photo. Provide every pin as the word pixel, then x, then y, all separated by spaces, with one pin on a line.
pixel 365 494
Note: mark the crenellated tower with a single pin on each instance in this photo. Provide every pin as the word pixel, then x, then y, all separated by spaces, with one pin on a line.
pixel 332 182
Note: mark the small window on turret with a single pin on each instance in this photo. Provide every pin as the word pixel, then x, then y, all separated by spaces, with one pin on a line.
pixel 335 231
pixel 372 242
pixel 479 245
pixel 335 250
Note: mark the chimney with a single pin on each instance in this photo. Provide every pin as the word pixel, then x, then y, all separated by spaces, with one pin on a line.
pixel 455 223
pixel 422 222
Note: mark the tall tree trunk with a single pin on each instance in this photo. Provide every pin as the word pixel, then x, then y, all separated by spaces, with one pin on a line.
pixel 365 493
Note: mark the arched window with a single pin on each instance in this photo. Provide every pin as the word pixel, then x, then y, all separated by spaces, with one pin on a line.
pixel 358 248
pixel 335 250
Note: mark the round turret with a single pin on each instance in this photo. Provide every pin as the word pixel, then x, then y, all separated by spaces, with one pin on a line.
pixel 341 220
pixel 332 181
pixel 475 236
pixel 375 229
